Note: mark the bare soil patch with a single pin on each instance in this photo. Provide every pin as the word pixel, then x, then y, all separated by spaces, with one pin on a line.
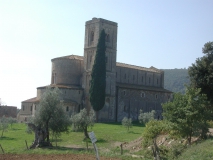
pixel 51 157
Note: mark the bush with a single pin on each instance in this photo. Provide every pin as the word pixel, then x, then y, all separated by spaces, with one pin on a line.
pixel 127 122
pixel 210 123
pixel 146 117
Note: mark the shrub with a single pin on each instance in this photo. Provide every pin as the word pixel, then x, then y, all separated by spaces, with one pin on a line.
pixel 146 117
pixel 127 122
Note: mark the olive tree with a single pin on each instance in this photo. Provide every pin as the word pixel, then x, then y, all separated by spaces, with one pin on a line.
pixel 3 125
pixel 145 117
pixel 51 114
pixel 127 122
pixel 83 120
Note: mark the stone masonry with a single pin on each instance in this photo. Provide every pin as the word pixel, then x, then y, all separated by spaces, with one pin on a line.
pixel 129 88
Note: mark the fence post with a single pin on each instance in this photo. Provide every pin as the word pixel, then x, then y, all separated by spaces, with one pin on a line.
pixel 121 149
pixel 26 144
pixel 2 149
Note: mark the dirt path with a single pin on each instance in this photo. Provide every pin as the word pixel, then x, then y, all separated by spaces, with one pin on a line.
pixel 51 157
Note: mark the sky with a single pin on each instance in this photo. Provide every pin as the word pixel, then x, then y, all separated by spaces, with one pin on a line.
pixel 166 34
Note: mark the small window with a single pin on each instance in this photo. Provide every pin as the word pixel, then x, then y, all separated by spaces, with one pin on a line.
pixel 107 38
pixel 156 96
pixel 125 108
pixel 54 78
pixel 90 58
pixel 92 36
pixel 168 97
pixel 142 94
pixel 35 107
pixel 23 108
pixel 31 108
pixel 67 109
pixel 124 92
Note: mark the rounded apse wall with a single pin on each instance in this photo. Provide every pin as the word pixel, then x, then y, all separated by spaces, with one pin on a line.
pixel 66 71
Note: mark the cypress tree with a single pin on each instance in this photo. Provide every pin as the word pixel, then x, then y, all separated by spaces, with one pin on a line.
pixel 98 81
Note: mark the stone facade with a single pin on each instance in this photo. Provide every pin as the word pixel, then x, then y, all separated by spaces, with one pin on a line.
pixel 129 88
pixel 8 111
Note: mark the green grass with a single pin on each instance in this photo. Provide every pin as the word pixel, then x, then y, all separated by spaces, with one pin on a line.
pixel 200 151
pixel 13 140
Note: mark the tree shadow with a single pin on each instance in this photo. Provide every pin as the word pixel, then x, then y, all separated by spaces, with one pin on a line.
pixel 7 138
pixel 61 148
pixel 14 129
pixel 101 140
pixel 54 140
pixel 132 132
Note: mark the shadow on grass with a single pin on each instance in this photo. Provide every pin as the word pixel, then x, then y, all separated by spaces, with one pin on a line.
pixel 54 140
pixel 7 138
pixel 14 129
pixel 132 132
pixel 135 123
pixel 101 140
pixel 61 148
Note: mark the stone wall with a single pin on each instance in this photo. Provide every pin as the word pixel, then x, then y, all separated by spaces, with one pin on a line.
pixel 139 77
pixel 8 111
pixel 130 101
pixel 67 71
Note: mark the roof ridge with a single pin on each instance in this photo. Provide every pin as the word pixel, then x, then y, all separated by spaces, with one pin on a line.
pixel 152 69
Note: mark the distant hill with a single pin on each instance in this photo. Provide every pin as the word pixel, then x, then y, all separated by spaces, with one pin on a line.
pixel 174 79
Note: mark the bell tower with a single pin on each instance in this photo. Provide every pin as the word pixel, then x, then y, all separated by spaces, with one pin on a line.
pixel 92 32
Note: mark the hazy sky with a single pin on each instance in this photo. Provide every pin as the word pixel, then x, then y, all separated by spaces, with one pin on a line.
pixel 165 34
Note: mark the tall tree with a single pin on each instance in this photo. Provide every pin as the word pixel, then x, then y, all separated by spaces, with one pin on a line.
pixel 188 114
pixel 51 114
pixel 201 72
pixel 98 81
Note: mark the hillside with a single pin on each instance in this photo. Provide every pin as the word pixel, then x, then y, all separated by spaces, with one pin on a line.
pixel 174 79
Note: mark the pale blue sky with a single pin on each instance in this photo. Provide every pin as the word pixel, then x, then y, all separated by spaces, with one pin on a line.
pixel 165 34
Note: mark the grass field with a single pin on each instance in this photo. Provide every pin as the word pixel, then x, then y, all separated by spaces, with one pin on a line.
pixel 13 140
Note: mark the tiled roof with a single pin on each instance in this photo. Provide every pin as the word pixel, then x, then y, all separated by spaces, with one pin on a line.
pixel 70 57
pixel 151 69
pixel 31 100
pixel 62 86
pixel 118 64
pixel 150 88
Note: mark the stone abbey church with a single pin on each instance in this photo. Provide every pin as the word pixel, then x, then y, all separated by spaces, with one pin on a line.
pixel 129 88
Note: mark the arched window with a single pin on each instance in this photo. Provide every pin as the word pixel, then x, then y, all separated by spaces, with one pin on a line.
pixel 67 109
pixel 107 38
pixel 92 36
pixel 54 78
